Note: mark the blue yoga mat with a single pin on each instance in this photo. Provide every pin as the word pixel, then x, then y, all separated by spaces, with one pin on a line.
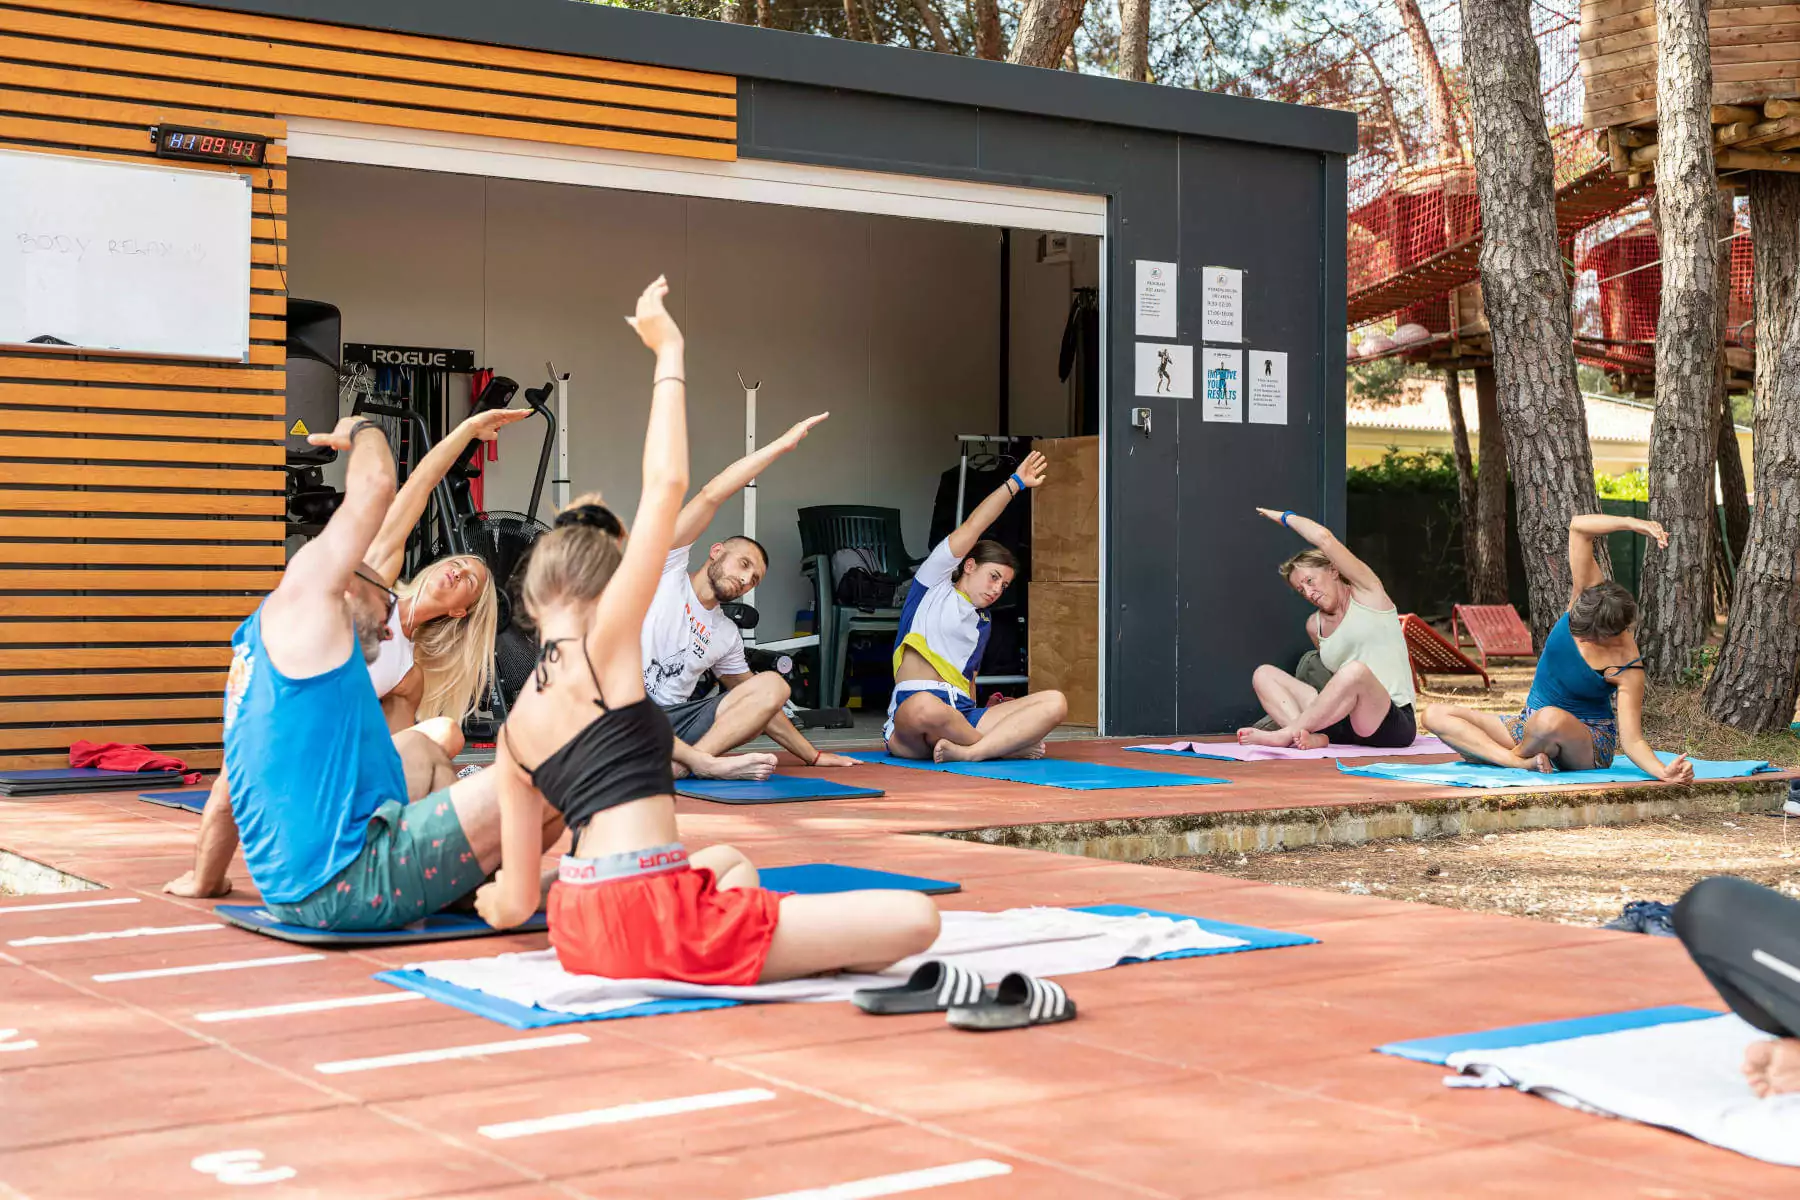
pixel 193 800
pixel 1481 775
pixel 519 1016
pixel 1049 772
pixel 439 927
pixel 776 789
pixel 824 879
pixel 1439 1049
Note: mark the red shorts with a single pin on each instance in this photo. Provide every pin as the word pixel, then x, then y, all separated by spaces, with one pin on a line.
pixel 674 925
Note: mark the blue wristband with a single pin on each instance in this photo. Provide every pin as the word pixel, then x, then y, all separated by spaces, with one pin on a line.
pixel 1014 477
pixel 1284 517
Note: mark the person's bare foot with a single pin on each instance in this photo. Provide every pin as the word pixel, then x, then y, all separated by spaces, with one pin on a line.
pixel 1250 735
pixel 737 766
pixel 947 751
pixel 1037 751
pixel 1773 1068
pixel 1541 762
pixel 679 770
pixel 1307 739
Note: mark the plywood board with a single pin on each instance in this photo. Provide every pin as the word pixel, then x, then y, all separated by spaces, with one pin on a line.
pixel 1065 513
pixel 1064 645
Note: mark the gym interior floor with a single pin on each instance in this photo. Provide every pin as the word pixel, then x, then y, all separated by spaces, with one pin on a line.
pixel 1240 1075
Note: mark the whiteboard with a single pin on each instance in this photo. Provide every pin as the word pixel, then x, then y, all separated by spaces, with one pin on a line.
pixel 118 257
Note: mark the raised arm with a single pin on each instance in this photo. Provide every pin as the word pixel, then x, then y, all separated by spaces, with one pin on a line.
pixel 614 645
pixel 1355 571
pixel 1584 571
pixel 1631 733
pixel 698 513
pixel 388 550
pixel 1031 473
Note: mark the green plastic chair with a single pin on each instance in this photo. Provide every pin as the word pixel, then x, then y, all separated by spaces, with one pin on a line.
pixel 824 530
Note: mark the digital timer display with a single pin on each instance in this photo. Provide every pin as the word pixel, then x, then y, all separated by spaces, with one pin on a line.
pixel 209 145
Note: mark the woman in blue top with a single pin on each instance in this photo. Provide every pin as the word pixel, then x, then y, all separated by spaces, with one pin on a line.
pixel 1587 698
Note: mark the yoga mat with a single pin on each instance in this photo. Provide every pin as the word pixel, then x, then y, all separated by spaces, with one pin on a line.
pixel 67 781
pixel 1232 752
pixel 519 1016
pixel 193 800
pixel 823 879
pixel 1049 772
pixel 776 789
pixel 439 927
pixel 1438 1049
pixel 1481 775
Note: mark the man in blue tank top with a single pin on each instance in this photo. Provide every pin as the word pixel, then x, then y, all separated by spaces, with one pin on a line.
pixel 319 788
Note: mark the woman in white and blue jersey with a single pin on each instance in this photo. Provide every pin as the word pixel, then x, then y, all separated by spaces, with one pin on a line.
pixel 943 633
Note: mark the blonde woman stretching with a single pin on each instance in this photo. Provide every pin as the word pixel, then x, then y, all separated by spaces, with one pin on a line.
pixel 588 744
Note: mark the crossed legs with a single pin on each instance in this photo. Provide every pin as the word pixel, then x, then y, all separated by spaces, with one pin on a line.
pixel 1301 711
pixel 743 713
pixel 1554 740
pixel 925 726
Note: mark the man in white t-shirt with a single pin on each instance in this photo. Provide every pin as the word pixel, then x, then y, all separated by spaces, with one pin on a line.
pixel 687 633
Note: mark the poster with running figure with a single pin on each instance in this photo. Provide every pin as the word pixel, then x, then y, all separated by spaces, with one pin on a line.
pixel 1166 371
pixel 1223 380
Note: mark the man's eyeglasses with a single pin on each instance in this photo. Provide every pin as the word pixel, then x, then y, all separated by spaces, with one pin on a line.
pixel 393 597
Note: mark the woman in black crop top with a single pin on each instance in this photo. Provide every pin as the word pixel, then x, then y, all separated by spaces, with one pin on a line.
pixel 584 741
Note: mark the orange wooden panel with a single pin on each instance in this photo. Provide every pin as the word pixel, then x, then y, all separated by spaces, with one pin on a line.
pixel 113 709
pixel 125 112
pixel 249 453
pixel 60 474
pixel 129 606
pixel 266 304
pixel 70 395
pixel 105 579
pixel 136 735
pixel 197 759
pixel 244 554
pixel 157 530
pixel 154 684
pixel 342 73
pixel 410 45
pixel 75 658
pixel 94 633
pixel 32 421
pixel 108 370
pixel 147 503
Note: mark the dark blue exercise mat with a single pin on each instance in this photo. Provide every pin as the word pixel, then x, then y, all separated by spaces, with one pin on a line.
pixel 439 927
pixel 1066 773
pixel 823 879
pixel 193 800
pixel 66 781
pixel 776 789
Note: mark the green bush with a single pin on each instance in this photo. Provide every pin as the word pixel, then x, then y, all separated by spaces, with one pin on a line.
pixel 1633 485
pixel 1405 471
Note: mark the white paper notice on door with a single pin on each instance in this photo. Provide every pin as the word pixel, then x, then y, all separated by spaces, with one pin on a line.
pixel 1165 371
pixel 1155 299
pixel 1223 380
pixel 1222 305
pixel 1268 387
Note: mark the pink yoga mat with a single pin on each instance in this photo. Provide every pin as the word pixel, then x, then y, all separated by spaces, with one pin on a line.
pixel 1233 752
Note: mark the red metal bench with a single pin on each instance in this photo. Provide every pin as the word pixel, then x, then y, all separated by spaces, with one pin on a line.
pixel 1496 630
pixel 1432 653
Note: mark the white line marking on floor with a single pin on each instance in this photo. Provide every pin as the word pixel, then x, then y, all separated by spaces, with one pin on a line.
pixel 1776 965
pixel 621 1113
pixel 67 904
pixel 6 1042
pixel 107 935
pixel 242 964
pixel 240 1167
pixel 905 1181
pixel 349 1065
pixel 305 1006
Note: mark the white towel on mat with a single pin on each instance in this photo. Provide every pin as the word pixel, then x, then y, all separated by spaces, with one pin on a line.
pixel 1683 1076
pixel 1037 941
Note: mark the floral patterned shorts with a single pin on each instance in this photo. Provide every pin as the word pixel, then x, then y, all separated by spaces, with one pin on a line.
pixel 1604 733
pixel 416 861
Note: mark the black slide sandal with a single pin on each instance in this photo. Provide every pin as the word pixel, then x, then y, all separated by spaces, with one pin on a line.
pixel 1017 1002
pixel 934 987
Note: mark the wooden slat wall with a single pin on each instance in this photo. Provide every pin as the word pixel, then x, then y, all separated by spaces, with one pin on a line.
pixel 1755 54
pixel 141 506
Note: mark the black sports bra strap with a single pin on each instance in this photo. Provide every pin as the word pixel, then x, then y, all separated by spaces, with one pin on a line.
pixel 550 652
pixel 1636 664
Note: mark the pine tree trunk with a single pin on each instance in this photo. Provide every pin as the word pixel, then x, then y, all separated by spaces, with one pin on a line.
pixel 1526 296
pixel 990 42
pixel 1676 591
pixel 940 41
pixel 1134 40
pixel 1490 495
pixel 1758 676
pixel 1046 31
pixel 1437 88
pixel 852 22
pixel 1466 504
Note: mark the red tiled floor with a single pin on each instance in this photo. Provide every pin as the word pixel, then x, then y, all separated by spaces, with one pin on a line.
pixel 70 1027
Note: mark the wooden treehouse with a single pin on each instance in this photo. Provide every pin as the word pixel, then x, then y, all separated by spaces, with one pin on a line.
pixel 1756 82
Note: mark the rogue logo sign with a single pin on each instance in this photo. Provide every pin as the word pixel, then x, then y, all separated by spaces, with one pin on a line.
pixel 424 357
